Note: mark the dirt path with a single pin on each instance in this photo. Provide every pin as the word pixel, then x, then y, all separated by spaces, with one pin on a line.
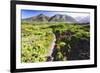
pixel 52 46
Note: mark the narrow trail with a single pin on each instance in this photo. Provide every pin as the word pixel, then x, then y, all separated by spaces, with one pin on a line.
pixel 52 46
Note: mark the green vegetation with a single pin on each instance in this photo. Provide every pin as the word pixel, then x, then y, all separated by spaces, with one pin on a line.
pixel 38 37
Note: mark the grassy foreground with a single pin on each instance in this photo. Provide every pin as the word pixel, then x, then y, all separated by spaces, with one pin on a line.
pixel 72 42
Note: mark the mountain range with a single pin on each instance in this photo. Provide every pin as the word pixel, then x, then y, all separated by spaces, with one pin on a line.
pixel 83 19
pixel 57 18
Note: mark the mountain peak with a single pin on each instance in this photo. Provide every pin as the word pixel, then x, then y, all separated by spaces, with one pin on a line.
pixel 62 18
pixel 41 14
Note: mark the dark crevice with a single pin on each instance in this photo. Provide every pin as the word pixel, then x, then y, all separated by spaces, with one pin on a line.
pixel 69 47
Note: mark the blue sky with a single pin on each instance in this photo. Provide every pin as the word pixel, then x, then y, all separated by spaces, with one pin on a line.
pixel 30 13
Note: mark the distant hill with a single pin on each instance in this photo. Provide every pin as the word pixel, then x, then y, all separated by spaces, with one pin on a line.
pixel 55 18
pixel 83 20
pixel 38 18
